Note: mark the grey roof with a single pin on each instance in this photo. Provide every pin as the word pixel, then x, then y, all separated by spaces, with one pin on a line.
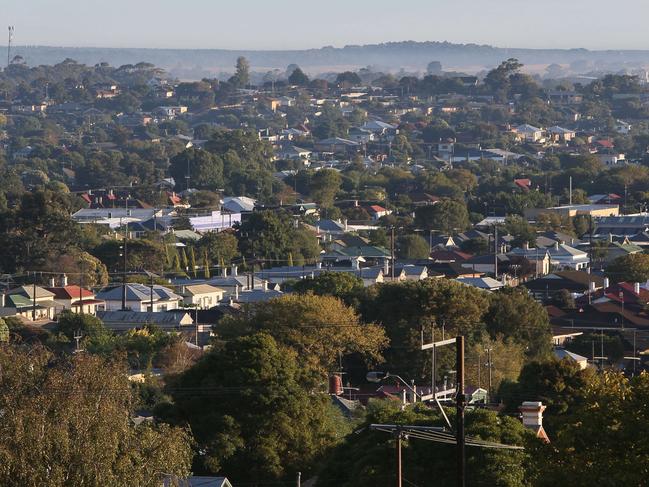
pixel 561 353
pixel 129 319
pixel 481 282
pixel 138 292
pixel 330 225
pixel 237 204
pixel 28 291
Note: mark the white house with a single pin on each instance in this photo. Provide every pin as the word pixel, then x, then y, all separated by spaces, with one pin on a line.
pixel 529 133
pixel 201 296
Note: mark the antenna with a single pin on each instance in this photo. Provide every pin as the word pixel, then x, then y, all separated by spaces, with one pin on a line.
pixel 11 37
pixel 77 337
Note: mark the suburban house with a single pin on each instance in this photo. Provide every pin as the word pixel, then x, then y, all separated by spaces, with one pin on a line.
pixel 377 212
pixel 564 256
pixel 337 145
pixel 559 134
pixel 576 282
pixel 529 133
pixel 30 302
pixel 215 221
pixel 75 299
pixel 139 298
pixel 201 296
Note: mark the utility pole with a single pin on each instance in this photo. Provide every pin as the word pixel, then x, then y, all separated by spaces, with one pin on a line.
pixel 34 298
pixel 461 459
pixel 299 479
pixel 124 263
pixel 570 192
pixel 495 251
pixel 392 255
pixel 489 365
pixel 399 436
pixel 81 287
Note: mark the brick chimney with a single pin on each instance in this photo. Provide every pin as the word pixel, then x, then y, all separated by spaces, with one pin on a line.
pixel 532 417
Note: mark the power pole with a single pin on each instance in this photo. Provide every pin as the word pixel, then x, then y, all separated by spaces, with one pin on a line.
pixel 461 459
pixel 489 365
pixel 124 263
pixel 392 255
pixel 399 436
pixel 299 479
pixel 34 298
pixel 495 252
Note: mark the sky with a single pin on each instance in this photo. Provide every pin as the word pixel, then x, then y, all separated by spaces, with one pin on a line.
pixel 289 24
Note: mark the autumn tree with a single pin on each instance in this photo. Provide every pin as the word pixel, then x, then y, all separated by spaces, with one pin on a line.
pixel 319 328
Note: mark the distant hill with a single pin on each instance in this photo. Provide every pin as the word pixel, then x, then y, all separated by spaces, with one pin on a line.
pixel 388 56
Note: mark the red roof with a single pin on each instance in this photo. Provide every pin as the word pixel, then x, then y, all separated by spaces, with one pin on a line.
pixel 377 209
pixel 523 183
pixel 69 292
pixel 608 144
pixel 86 197
pixel 449 255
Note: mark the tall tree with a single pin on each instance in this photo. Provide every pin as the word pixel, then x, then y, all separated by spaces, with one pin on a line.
pixel 251 417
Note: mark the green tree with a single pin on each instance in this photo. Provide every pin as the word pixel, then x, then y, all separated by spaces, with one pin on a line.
pixel 324 186
pixel 257 386
pixel 342 285
pixel 367 457
pixel 514 314
pixel 404 309
pixel 192 262
pixel 4 331
pixel 205 170
pixel 447 216
pixel 412 247
pixel 585 449
pixel 70 323
pixel 241 76
pixel 220 246
pixel 66 421
pixel 298 78
pixel 629 268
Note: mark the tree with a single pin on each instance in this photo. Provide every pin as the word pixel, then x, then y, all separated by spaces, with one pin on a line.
pixel 348 78
pixel 521 230
pixel 629 268
pixel 514 314
pixel 298 78
pixel 192 263
pixel 319 328
pixel 434 67
pixel 256 384
pixel 221 247
pixel 241 76
pixel 557 383
pixel 343 285
pixel 446 216
pixel 366 458
pixel 586 445
pixel 198 168
pixel 404 309
pixel 67 421
pixel 70 324
pixel 412 247
pixel 324 186
pixel 4 331
pixel 141 254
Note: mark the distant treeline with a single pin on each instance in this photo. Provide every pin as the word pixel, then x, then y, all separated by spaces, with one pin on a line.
pixel 387 56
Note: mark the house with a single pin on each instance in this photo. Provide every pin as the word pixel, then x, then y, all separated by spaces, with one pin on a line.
pixel 238 204
pixel 485 283
pixel 576 282
pixel 564 256
pixel 121 321
pixel 377 212
pixel 31 302
pixel 621 226
pixel 538 257
pixel 293 152
pixel 560 134
pixel 215 221
pixel 485 264
pixel 575 210
pixel 412 272
pixel 529 133
pixel 201 296
pixel 337 145
pixel 622 127
pixel 75 299
pixel 140 298
pixel 563 354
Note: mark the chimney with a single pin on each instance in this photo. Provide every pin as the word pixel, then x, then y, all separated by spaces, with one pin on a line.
pixel 345 223
pixel 386 267
pixel 335 385
pixel 64 280
pixel 318 265
pixel 2 300
pixel 52 283
pixel 591 287
pixel 236 292
pixel 636 287
pixel 234 270
pixel 556 245
pixel 526 245
pixel 532 416
pixel 610 238
pixel 264 285
pixel 225 272
pixel 607 283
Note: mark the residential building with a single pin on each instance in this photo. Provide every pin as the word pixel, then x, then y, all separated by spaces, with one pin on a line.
pixel 122 321
pixel 140 298
pixel 30 302
pixel 201 296
pixel 75 299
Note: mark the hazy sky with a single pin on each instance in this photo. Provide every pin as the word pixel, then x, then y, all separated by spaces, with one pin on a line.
pixel 289 24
